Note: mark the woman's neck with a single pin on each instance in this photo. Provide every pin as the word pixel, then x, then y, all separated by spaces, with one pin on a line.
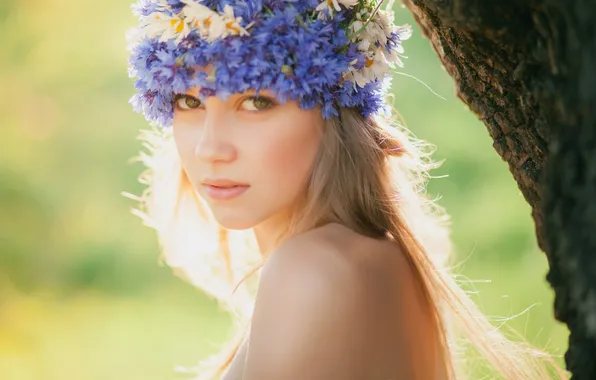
pixel 270 233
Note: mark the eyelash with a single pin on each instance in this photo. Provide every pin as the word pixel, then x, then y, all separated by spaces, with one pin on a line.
pixel 177 97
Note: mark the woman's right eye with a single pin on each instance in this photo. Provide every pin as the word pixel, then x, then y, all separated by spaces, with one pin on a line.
pixel 186 102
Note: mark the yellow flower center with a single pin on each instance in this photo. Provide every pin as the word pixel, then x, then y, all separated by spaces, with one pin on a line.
pixel 230 25
pixel 369 62
pixel 179 27
pixel 208 21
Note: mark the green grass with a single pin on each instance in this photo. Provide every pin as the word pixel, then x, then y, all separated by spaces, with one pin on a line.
pixel 97 337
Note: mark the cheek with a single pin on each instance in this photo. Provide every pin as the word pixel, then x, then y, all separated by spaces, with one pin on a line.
pixel 286 161
pixel 185 146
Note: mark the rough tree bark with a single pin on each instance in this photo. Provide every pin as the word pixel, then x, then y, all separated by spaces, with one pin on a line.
pixel 527 68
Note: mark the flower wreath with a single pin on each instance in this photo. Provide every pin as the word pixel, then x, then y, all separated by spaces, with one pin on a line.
pixel 335 53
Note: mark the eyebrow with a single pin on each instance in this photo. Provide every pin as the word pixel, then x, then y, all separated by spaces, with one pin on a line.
pixel 194 92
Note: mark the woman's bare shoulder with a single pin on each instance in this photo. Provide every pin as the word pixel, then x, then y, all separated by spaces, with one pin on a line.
pixel 324 300
pixel 336 254
pixel 335 245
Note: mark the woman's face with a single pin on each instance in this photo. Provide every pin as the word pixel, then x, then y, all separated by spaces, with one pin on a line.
pixel 248 157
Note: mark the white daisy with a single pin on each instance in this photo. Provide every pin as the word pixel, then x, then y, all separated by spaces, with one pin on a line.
pixel 356 26
pixel 334 5
pixel 215 27
pixel 377 66
pixel 233 26
pixel 166 27
pixel 210 24
pixel 377 30
pixel 207 22
pixel 195 13
pixel 356 77
pixel 404 31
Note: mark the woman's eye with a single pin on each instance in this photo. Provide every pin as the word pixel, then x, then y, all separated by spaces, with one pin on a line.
pixel 187 102
pixel 257 103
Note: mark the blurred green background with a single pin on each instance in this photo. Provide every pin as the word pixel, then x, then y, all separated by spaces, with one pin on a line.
pixel 81 293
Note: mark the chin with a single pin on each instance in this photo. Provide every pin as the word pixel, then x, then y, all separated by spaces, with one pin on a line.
pixel 234 222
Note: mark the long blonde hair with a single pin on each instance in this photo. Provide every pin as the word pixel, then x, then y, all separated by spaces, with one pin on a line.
pixel 370 176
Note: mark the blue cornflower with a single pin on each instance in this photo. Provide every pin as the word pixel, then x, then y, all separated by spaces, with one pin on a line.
pixel 301 50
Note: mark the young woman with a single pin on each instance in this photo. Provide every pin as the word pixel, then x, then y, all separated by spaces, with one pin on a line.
pixel 278 150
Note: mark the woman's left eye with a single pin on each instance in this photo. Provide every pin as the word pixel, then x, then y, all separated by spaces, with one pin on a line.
pixel 257 103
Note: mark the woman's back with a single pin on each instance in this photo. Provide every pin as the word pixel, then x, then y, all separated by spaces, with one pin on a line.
pixel 336 304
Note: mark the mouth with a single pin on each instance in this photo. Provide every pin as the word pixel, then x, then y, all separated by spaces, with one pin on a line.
pixel 224 191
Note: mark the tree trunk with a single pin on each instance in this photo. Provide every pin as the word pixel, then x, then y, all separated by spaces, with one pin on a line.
pixel 528 70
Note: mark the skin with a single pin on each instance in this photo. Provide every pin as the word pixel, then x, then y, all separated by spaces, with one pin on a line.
pixel 331 304
pixel 268 145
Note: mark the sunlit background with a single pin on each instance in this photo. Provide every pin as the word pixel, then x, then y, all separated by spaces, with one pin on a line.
pixel 81 293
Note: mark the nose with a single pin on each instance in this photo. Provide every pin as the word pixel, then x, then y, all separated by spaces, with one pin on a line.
pixel 214 143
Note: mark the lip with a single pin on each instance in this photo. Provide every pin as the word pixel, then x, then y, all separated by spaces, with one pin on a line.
pixel 223 189
pixel 222 182
pixel 225 193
